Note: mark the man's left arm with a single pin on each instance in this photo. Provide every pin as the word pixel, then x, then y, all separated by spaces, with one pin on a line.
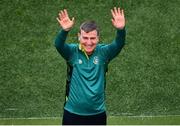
pixel 118 21
pixel 115 47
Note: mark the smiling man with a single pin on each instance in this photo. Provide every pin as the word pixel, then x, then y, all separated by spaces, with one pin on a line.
pixel 88 36
pixel 85 104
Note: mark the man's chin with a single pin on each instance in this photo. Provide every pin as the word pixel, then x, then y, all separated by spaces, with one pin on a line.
pixel 89 51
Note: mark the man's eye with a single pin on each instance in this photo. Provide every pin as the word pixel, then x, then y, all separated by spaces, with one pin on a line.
pixel 93 38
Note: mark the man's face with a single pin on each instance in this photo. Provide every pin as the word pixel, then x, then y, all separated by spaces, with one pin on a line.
pixel 88 40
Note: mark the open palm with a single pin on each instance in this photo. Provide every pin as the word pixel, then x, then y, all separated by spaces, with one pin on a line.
pixel 65 21
pixel 118 19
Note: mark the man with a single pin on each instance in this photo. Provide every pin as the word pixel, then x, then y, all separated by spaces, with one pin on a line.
pixel 88 59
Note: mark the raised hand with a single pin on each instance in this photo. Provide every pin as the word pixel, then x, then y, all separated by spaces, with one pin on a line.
pixel 118 19
pixel 64 20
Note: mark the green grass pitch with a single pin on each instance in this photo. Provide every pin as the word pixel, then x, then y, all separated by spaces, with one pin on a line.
pixel 143 80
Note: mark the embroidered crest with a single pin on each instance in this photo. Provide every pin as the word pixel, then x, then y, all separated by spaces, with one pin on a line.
pixel 80 61
pixel 96 60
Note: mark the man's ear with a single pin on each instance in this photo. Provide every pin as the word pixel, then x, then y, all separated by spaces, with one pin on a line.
pixel 97 38
pixel 79 35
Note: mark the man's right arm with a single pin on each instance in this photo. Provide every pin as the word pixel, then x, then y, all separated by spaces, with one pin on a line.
pixel 64 49
pixel 66 23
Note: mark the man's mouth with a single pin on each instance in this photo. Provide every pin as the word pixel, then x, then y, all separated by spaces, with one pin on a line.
pixel 88 47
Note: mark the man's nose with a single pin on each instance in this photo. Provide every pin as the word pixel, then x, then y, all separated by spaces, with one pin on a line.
pixel 89 41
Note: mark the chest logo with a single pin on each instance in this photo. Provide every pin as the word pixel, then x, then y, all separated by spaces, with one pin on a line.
pixel 80 61
pixel 96 60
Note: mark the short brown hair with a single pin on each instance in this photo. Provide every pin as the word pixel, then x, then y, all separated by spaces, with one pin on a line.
pixel 89 26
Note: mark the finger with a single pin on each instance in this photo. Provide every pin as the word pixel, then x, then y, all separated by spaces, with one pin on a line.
pixel 113 21
pixel 119 11
pixel 62 14
pixel 60 22
pixel 58 19
pixel 122 13
pixel 112 12
pixel 72 19
pixel 115 10
pixel 59 15
pixel 66 13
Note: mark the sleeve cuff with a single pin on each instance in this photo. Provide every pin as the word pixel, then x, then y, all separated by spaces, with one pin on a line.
pixel 120 31
pixel 64 33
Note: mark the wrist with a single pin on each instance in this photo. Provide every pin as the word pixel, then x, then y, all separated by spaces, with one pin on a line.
pixel 121 28
pixel 64 32
pixel 119 31
pixel 68 29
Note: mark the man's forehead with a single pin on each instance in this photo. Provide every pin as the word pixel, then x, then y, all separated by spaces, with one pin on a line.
pixel 93 33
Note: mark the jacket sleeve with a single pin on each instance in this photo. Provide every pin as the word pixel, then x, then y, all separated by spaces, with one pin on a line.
pixel 66 50
pixel 113 49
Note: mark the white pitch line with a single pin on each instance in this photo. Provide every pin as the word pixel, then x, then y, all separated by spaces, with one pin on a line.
pixel 141 116
pixel 107 116
pixel 30 125
pixel 32 118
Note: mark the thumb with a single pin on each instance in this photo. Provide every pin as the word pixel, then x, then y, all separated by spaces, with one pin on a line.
pixel 113 22
pixel 72 19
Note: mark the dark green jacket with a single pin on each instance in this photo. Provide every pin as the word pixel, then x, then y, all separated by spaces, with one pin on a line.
pixel 87 83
